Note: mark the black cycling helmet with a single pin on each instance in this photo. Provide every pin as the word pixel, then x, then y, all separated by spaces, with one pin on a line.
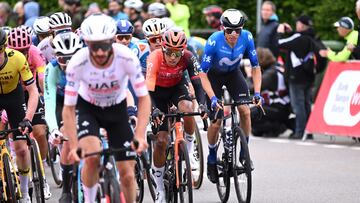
pixel 233 18
pixel 3 37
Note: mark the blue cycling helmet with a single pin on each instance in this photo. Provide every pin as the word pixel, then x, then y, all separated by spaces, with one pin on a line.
pixel 124 27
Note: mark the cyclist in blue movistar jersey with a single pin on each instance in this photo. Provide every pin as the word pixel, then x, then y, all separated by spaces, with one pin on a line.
pixel 64 46
pixel 153 29
pixel 220 67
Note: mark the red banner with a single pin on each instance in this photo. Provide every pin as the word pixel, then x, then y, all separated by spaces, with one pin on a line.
pixel 337 106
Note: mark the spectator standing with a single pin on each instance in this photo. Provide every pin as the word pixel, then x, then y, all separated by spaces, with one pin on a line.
pixel 157 10
pixel 300 69
pixel 18 12
pixel 76 13
pixel 356 49
pixel 133 9
pixel 31 12
pixel 212 15
pixel 267 37
pixel 5 15
pixel 115 10
pixel 144 11
pixel 93 8
pixel 180 14
pixel 345 29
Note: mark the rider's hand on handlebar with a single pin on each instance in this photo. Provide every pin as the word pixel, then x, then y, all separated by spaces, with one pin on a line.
pixel 25 126
pixel 73 156
pixel 258 99
pixel 157 117
pixel 203 110
pixel 140 145
pixel 55 137
pixel 216 103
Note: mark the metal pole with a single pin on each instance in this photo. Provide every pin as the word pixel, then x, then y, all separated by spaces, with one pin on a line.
pixel 258 15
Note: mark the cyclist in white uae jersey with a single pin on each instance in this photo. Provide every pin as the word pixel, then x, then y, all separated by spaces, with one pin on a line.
pixel 97 78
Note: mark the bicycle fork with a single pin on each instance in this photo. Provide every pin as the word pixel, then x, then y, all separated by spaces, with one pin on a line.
pixel 179 136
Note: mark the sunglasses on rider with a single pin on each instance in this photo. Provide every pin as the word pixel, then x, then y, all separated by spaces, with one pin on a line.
pixel 231 30
pixel 154 40
pixel 171 52
pixel 59 31
pixel 121 37
pixel 104 46
pixel 63 60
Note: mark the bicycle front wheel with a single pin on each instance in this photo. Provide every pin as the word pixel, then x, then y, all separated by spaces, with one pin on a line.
pixel 112 192
pixel 223 185
pixel 241 167
pixel 185 179
pixel 9 178
pixel 199 157
pixel 139 180
pixel 54 160
pixel 37 172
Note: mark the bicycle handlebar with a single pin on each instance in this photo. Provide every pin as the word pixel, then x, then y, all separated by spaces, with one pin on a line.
pixel 5 133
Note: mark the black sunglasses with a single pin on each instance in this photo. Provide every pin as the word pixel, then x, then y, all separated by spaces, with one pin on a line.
pixel 231 30
pixel 63 60
pixel 121 37
pixel 104 46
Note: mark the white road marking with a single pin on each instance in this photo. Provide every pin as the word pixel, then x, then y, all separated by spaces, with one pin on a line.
pixel 279 141
pixel 333 146
pixel 306 143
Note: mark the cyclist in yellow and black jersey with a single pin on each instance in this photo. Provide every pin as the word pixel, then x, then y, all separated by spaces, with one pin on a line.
pixel 13 66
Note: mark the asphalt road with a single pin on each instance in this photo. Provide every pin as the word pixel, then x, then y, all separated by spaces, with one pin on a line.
pixel 326 169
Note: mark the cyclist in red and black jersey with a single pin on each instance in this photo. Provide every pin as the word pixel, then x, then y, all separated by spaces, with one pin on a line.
pixel 167 85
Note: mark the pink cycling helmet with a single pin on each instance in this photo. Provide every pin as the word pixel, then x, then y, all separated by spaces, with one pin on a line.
pixel 19 38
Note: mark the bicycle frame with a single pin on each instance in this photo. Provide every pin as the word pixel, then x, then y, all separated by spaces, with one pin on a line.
pixel 179 137
pixel 4 150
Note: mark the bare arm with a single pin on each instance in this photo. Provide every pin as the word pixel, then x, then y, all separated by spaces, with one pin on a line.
pixel 206 84
pixel 256 77
pixel 69 118
pixel 144 107
pixel 33 100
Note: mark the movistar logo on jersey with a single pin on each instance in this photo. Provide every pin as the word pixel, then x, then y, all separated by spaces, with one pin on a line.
pixel 227 61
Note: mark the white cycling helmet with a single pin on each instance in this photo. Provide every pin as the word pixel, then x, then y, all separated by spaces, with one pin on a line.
pixel 135 4
pixel 6 29
pixel 41 25
pixel 153 26
pixel 98 27
pixel 29 30
pixel 157 9
pixel 59 19
pixel 67 43
pixel 168 23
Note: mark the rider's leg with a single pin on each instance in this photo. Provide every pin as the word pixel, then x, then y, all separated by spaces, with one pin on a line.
pixel 66 167
pixel 189 124
pixel 127 178
pixel 39 132
pixel 159 157
pixel 213 135
pixel 90 170
pixel 23 163
pixel 245 120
